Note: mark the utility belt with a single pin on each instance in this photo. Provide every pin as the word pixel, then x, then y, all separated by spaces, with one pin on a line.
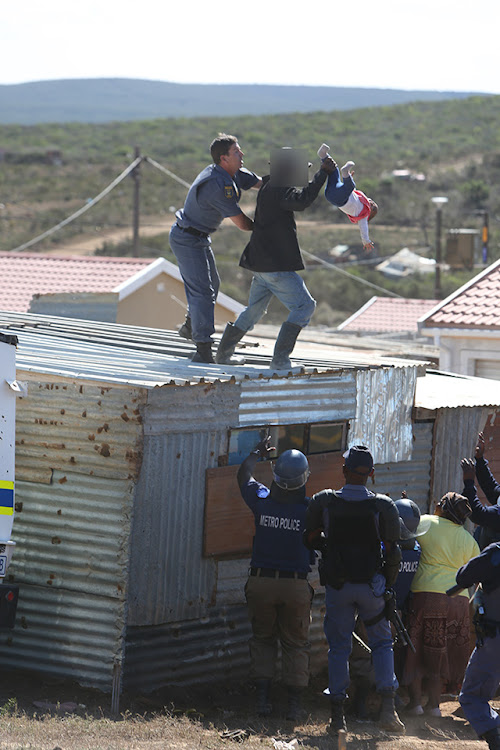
pixel 329 574
pixel 193 231
pixel 272 573
pixel 485 628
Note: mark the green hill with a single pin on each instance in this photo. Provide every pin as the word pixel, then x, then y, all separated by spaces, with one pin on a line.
pixel 47 172
pixel 119 99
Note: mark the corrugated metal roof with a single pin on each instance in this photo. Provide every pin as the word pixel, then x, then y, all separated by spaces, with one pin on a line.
pixel 440 390
pixel 115 353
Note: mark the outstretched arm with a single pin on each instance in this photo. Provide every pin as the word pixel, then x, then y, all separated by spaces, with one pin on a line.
pixel 481 515
pixel 261 450
pixel 485 478
pixel 298 199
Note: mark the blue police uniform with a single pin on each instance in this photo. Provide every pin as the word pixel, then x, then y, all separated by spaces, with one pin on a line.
pixel 410 558
pixel 212 197
pixel 487 534
pixel 278 594
pixel 482 676
pixel 487 516
pixel 345 599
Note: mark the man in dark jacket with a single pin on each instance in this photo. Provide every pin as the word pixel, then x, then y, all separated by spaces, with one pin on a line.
pixel 273 255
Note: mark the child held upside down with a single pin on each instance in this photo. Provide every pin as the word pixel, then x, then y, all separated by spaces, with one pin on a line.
pixel 342 193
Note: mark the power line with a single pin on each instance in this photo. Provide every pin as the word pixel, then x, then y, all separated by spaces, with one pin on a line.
pixel 350 275
pixel 83 209
pixel 167 172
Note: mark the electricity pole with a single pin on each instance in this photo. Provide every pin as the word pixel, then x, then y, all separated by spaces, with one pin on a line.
pixel 136 176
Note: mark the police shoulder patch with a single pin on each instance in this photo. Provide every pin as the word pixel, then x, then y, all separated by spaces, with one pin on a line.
pixel 228 191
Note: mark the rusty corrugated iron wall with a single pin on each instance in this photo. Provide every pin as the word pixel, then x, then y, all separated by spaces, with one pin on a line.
pixel 78 455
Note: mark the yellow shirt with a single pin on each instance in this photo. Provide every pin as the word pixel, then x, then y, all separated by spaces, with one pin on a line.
pixel 446 546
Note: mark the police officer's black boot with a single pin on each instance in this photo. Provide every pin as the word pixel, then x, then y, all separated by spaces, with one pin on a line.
pixel 203 353
pixel 185 330
pixel 492 737
pixel 262 704
pixel 224 356
pixel 337 721
pixel 294 703
pixel 284 346
pixel 389 720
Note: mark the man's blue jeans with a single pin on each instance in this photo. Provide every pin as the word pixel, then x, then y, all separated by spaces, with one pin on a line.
pixel 201 280
pixel 341 608
pixel 288 287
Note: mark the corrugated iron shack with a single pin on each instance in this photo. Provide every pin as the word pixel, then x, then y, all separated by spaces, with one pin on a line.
pixel 133 542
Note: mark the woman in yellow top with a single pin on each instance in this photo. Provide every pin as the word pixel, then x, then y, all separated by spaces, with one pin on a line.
pixel 439 625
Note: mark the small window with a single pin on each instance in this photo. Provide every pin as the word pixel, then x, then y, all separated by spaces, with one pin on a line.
pixel 326 437
pixel 322 437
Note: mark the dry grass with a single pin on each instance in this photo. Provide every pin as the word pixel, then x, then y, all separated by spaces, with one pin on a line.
pixel 215 719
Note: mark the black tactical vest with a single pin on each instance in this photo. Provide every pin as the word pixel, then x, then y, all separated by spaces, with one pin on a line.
pixel 353 550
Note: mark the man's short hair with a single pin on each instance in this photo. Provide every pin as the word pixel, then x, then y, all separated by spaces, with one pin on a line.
pixel 220 146
pixel 358 459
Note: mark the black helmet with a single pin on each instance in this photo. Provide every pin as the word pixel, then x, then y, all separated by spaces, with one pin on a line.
pixel 409 518
pixel 291 470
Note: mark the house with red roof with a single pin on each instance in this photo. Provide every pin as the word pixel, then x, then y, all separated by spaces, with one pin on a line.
pixel 466 326
pixel 392 315
pixel 133 291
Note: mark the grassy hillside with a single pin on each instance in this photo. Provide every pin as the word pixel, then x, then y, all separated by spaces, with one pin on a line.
pixel 455 144
pixel 112 99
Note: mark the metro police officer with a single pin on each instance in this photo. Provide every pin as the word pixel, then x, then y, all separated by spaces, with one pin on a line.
pixel 357 532
pixel 278 595
pixel 213 196
pixel 482 676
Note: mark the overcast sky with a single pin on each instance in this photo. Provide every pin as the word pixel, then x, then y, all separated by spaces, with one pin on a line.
pixel 439 45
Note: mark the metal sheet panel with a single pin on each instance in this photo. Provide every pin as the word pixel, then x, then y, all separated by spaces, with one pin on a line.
pixel 204 651
pixel 413 476
pixel 65 633
pixel 185 430
pixel 314 398
pixel 78 426
pixel 71 564
pixel 455 438
pixel 78 454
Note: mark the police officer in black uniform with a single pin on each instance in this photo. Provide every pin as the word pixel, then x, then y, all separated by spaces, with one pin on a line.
pixel 482 676
pixel 357 532
pixel 277 591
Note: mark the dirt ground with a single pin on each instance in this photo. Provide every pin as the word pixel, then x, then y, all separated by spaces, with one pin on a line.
pixel 39 714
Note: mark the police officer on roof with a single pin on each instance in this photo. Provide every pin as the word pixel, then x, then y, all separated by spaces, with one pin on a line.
pixel 357 532
pixel 278 595
pixel 213 196
pixel 482 676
